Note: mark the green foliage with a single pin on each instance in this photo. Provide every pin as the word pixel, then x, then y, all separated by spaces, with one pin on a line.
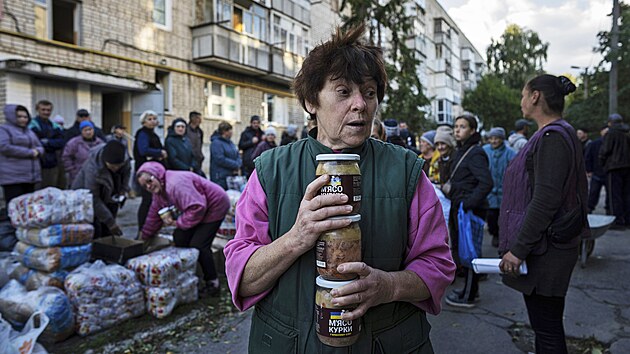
pixel 517 56
pixel 496 104
pixel 591 113
pixel 388 21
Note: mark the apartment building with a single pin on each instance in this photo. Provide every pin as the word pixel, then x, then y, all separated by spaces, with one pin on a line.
pixel 228 59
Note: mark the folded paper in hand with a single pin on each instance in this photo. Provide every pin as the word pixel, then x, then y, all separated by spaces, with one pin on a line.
pixel 491 266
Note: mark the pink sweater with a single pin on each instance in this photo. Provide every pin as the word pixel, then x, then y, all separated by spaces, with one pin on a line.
pixel 199 200
pixel 428 254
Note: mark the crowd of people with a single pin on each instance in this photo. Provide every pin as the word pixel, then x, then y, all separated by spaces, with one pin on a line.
pixel 532 190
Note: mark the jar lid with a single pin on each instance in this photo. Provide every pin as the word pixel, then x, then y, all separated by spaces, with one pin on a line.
pixel 331 284
pixel 352 217
pixel 337 157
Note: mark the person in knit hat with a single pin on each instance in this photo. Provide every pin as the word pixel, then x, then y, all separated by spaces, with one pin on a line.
pixel 106 174
pixel 445 145
pixel 268 142
pixel 77 150
pixel 430 156
pixel 499 155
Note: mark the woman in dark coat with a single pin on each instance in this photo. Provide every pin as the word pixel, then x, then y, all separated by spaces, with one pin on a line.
pixel 179 148
pixel 471 183
pixel 543 213
pixel 147 147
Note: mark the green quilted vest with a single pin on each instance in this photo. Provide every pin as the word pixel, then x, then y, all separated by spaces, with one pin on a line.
pixel 284 321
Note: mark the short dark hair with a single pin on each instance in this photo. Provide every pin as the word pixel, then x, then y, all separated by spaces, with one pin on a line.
pixel 43 103
pixel 345 57
pixel 472 121
pixel 193 114
pixel 224 126
pixel 23 109
pixel 553 88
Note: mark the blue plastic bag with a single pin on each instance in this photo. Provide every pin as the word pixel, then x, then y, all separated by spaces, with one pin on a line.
pixel 470 236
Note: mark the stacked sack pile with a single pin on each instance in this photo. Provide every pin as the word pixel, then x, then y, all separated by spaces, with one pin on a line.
pixel 54 232
pixel 169 278
pixel 18 304
pixel 103 296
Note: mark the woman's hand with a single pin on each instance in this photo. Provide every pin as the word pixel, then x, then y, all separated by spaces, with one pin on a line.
pixel 314 210
pixel 510 264
pixel 169 221
pixel 374 287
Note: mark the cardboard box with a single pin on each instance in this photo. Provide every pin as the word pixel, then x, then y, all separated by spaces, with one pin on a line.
pixel 116 249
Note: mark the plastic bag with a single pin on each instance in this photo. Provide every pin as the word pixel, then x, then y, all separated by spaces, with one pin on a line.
pixel 162 301
pixel 57 235
pixel 8 264
pixel 236 183
pixel 446 203
pixel 52 258
pixel 470 236
pixel 24 342
pixel 17 305
pixel 103 296
pixel 164 268
pixel 33 279
pixel 51 206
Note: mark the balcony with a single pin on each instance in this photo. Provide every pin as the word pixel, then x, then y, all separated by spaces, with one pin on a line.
pixel 442 38
pixel 224 48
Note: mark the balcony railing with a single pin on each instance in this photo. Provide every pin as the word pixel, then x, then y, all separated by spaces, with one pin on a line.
pixel 224 48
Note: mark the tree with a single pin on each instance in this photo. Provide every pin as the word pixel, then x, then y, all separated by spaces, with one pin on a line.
pixel 404 100
pixel 517 56
pixel 591 112
pixel 496 104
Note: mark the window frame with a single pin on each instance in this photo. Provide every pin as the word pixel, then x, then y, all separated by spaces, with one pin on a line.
pixel 224 101
pixel 168 16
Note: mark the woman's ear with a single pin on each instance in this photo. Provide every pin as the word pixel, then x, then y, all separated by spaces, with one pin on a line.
pixel 535 97
pixel 310 108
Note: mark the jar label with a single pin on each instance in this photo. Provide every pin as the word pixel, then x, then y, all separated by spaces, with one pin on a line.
pixel 344 184
pixel 320 253
pixel 330 324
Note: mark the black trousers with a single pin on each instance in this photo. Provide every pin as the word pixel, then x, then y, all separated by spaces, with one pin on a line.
pixel 619 188
pixel 15 190
pixel 545 316
pixel 200 237
pixel 492 218
pixel 143 209
pixel 594 191
pixel 100 229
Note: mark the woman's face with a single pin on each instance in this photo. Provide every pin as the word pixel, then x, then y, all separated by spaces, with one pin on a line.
pixel 150 183
pixel 150 122
pixel 87 133
pixel 442 148
pixel 180 129
pixel 425 147
pixel 463 130
pixel 22 118
pixel 528 98
pixel 345 113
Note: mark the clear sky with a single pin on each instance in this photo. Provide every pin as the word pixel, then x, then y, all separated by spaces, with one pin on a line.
pixel 570 26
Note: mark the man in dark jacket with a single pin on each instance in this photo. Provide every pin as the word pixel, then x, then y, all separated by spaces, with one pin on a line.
pixel 74 130
pixel 249 139
pixel 614 155
pixel 50 135
pixel 596 172
pixel 195 136
pixel 106 174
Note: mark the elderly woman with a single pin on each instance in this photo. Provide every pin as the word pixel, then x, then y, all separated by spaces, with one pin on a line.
pixel 225 160
pixel 406 261
pixel 179 148
pixel 77 150
pixel 202 204
pixel 543 213
pixel 147 146
pixel 20 150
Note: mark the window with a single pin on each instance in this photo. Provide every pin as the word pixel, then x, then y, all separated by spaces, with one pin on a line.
pixel 275 109
pixel 438 51
pixel 223 101
pixel 445 111
pixel 290 36
pixel 162 14
pixel 245 18
pixel 65 21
